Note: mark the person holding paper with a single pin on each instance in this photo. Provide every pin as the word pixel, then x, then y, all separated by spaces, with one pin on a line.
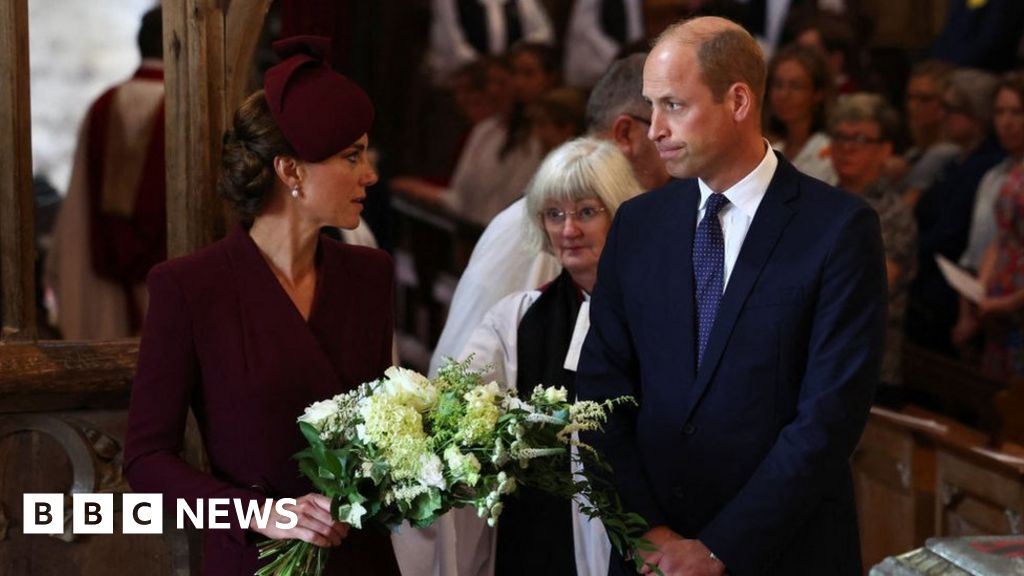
pixel 1001 312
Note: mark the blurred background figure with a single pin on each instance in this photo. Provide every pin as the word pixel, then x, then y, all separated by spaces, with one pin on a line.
pixel 998 226
pixel 929 149
pixel 863 128
pixel 799 95
pixel 598 32
pixel 463 30
pixel 981 34
pixel 557 116
pixel 943 213
pixel 112 224
pixel 500 154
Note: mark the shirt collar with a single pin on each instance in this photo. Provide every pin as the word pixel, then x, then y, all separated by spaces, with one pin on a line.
pixel 746 194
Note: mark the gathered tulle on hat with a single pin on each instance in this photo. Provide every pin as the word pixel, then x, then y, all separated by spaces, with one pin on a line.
pixel 319 111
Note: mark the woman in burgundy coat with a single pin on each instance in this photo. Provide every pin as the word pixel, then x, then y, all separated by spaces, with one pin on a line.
pixel 250 330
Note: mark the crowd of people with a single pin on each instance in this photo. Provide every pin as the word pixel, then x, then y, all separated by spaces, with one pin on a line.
pixel 741 232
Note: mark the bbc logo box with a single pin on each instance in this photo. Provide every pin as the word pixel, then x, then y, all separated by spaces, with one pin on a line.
pixel 92 513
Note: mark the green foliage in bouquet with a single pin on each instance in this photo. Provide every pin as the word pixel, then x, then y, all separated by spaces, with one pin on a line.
pixel 406 448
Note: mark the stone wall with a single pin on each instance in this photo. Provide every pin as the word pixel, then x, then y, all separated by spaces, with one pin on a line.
pixel 77 48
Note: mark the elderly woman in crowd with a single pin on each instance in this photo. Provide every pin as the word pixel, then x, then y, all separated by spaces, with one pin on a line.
pixel 863 127
pixel 799 94
pixel 534 337
pixel 250 330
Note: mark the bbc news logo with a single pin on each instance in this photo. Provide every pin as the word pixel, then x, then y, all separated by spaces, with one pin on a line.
pixel 144 513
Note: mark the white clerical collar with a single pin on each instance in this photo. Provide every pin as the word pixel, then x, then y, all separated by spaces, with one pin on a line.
pixel 746 195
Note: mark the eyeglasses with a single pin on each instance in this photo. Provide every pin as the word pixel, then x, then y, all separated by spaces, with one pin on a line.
pixel 640 119
pixel 556 217
pixel 854 139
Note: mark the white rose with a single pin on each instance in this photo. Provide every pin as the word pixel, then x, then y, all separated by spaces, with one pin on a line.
pixel 318 413
pixel 556 395
pixel 411 388
pixel 482 395
pixel 432 472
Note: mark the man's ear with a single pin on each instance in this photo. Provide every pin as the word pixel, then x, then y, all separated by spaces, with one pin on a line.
pixel 622 134
pixel 288 170
pixel 741 97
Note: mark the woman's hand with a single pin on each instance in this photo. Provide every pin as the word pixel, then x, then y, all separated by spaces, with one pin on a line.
pixel 998 306
pixel 315 523
pixel 966 326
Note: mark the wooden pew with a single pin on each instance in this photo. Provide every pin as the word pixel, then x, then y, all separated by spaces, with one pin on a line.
pixel 894 470
pixel 952 387
pixel 432 249
pixel 918 474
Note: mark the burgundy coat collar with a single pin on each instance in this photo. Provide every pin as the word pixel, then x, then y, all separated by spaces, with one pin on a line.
pixel 268 312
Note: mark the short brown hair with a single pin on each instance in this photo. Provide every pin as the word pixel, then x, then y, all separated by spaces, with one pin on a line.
pixel 813 62
pixel 726 52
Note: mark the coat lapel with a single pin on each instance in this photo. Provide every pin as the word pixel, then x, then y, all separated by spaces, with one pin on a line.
pixel 280 347
pixel 771 219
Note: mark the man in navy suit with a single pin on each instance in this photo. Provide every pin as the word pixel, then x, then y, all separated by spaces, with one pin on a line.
pixel 752 340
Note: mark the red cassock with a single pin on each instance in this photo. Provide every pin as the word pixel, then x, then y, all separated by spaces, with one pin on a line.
pixel 223 338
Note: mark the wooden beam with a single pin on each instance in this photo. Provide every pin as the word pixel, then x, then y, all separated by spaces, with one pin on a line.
pixel 60 375
pixel 17 244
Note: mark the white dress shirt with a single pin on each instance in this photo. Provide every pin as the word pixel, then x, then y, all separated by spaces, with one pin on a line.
pixel 744 198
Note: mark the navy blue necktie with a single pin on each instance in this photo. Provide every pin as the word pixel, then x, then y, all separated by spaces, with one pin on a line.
pixel 708 269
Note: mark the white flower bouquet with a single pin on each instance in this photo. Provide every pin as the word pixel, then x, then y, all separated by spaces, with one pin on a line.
pixel 409 448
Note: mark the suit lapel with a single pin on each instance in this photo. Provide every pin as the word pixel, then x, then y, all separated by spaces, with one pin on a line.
pixel 771 219
pixel 679 301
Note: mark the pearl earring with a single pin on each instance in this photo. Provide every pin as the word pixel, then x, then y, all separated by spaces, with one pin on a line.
pixel 295 192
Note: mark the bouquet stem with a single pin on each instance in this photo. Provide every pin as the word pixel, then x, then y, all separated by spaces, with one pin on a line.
pixel 292 558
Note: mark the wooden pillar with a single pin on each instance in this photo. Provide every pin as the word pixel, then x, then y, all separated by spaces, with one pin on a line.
pixel 193 60
pixel 17 244
pixel 208 48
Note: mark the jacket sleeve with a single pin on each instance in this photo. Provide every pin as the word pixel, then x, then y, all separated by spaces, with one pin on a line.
pixel 167 376
pixel 842 369
pixel 608 368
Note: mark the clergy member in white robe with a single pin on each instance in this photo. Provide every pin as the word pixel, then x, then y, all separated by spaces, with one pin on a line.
pixel 534 337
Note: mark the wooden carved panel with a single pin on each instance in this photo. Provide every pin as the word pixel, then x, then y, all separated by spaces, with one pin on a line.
pixel 978 495
pixel 894 471
pixel 74 453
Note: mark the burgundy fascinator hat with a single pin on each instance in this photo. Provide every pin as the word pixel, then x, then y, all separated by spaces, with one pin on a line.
pixel 319 111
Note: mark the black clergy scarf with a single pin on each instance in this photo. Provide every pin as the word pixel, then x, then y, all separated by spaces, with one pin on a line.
pixel 535 530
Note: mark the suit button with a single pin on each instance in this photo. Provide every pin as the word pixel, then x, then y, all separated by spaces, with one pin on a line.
pixel 678 492
pixel 689 429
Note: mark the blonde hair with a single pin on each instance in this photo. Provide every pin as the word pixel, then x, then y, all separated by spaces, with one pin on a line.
pixel 577 170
